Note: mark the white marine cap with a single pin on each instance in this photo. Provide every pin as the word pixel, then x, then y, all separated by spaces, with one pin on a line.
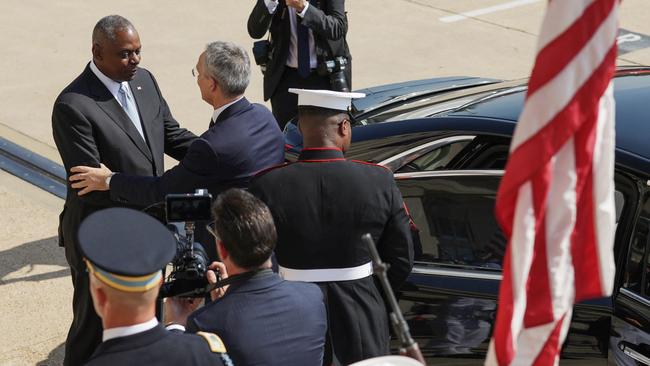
pixel 388 361
pixel 325 98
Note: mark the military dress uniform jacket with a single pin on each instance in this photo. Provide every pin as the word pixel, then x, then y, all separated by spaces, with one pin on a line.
pixel 267 321
pixel 322 205
pixel 327 21
pixel 158 346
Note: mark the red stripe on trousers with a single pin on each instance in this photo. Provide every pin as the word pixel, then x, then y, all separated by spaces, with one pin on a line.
pixel 555 56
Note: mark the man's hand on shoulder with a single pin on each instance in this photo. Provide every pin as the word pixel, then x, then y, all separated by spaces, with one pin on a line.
pixel 90 179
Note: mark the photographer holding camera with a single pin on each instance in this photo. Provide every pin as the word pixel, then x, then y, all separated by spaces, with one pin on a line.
pixel 262 319
pixel 306 49
pixel 124 251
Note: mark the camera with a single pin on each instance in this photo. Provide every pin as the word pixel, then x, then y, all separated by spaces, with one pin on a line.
pixel 190 264
pixel 261 51
pixel 335 69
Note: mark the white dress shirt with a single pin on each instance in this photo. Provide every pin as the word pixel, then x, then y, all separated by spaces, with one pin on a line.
pixel 129 330
pixel 114 87
pixel 292 58
pixel 218 111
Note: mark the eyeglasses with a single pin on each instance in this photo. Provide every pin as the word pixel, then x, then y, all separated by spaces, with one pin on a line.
pixel 195 72
pixel 212 230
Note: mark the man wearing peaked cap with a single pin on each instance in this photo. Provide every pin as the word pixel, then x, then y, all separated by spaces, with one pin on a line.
pixel 124 251
pixel 322 205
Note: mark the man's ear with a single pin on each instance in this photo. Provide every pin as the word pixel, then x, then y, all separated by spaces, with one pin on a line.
pixel 344 128
pixel 221 250
pixel 97 51
pixel 99 298
pixel 214 84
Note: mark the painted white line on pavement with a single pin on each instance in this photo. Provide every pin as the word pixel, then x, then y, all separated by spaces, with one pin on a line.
pixel 491 9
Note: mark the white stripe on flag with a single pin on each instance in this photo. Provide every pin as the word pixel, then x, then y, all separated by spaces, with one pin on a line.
pixel 549 100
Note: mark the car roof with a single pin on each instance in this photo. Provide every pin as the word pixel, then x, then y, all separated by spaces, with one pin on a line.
pixel 632 95
pixel 498 112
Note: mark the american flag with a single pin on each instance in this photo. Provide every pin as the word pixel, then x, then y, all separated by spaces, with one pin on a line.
pixel 556 199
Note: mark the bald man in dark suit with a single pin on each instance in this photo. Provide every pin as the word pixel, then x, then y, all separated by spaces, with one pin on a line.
pixel 113 113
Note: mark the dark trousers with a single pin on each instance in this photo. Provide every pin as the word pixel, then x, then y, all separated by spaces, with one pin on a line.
pixel 285 104
pixel 85 333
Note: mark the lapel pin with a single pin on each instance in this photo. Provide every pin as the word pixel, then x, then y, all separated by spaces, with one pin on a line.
pixel 139 87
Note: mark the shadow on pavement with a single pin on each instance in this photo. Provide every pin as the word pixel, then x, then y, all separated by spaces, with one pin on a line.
pixel 39 252
pixel 55 357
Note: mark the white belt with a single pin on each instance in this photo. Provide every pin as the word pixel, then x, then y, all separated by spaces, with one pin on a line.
pixel 327 275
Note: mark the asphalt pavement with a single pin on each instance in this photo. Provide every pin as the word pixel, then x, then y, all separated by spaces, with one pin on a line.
pixel 46 44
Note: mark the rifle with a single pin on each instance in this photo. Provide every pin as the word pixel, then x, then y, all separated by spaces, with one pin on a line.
pixel 408 347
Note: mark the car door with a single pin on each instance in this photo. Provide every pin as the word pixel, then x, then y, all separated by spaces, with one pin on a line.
pixel 450 298
pixel 630 340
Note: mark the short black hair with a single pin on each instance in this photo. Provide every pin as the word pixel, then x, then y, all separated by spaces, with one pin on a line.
pixel 318 112
pixel 245 226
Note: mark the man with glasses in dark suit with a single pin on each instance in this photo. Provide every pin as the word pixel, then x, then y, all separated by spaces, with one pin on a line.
pixel 242 139
pixel 262 319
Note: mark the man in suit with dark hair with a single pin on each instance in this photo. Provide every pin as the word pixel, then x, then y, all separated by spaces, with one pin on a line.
pixel 304 34
pixel 243 138
pixel 262 319
pixel 113 113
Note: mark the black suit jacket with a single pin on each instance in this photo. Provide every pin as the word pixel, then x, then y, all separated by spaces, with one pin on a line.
pixel 158 346
pixel 326 19
pixel 267 321
pixel 90 127
pixel 244 140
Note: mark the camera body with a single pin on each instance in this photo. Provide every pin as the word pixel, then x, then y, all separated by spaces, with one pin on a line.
pixel 335 69
pixel 261 52
pixel 190 263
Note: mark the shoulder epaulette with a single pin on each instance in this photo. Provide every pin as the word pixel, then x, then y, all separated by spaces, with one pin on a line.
pixel 264 171
pixel 369 163
pixel 215 343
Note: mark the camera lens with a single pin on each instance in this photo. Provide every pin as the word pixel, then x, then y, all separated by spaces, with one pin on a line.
pixel 338 82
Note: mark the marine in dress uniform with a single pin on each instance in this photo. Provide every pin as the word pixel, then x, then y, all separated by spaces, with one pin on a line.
pixel 124 251
pixel 322 204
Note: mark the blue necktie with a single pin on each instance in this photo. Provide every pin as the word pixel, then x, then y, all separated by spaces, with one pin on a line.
pixel 128 104
pixel 303 50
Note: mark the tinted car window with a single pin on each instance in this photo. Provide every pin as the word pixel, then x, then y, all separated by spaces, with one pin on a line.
pixel 436 159
pixel 454 214
pixel 637 269
pixel 455 219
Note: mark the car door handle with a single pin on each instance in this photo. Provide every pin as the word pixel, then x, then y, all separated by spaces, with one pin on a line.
pixel 628 350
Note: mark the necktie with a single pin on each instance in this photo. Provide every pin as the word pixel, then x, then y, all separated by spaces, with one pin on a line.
pixel 128 104
pixel 303 50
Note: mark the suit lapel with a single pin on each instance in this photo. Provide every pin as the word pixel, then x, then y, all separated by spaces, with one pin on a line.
pixel 112 108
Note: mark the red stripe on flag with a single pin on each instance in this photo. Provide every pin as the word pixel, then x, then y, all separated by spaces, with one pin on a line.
pixel 583 242
pixel 555 56
pixel 551 348
pixel 502 334
pixel 538 286
pixel 545 143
